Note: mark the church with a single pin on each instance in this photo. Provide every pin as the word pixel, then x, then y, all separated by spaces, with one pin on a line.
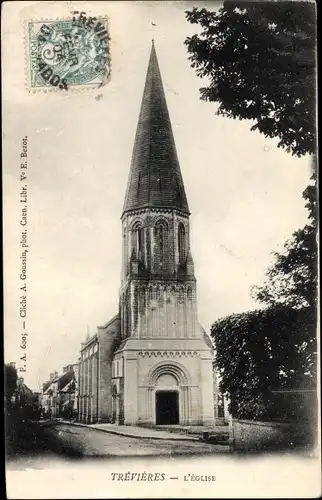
pixel 152 364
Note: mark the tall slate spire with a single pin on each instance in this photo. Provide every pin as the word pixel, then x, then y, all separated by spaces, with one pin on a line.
pixel 155 179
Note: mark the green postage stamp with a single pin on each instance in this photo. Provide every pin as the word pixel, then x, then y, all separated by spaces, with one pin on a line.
pixel 68 54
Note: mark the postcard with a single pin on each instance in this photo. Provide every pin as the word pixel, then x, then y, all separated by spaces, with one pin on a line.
pixel 160 249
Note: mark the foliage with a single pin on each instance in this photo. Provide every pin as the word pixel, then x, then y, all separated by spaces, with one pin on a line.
pixel 259 59
pixel 10 376
pixel 260 351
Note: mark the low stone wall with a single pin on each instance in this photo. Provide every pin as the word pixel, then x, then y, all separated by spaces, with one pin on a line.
pixel 247 435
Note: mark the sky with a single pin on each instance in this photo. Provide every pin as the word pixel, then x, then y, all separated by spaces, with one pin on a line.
pixel 244 192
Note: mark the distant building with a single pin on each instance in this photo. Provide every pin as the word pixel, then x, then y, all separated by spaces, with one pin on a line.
pixel 59 393
pixel 152 363
pixel 25 401
pixel 46 398
pixel 23 395
pixel 64 392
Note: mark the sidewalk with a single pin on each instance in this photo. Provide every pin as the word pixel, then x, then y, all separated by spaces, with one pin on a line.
pixel 134 431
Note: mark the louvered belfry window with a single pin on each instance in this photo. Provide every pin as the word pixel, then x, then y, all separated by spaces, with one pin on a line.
pixel 138 241
pixel 161 237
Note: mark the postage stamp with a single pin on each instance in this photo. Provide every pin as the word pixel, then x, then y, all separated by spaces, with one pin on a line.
pixel 68 53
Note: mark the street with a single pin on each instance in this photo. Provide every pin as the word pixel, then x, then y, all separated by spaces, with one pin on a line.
pixel 52 439
pixel 83 441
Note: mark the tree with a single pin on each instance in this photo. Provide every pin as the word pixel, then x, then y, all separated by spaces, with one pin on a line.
pixel 260 351
pixel 10 376
pixel 259 59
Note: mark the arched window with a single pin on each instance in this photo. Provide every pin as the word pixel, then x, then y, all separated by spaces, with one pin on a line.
pixel 138 241
pixel 148 249
pixel 161 239
pixel 182 243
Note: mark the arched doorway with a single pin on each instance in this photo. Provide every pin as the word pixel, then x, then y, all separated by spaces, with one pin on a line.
pixel 168 397
pixel 166 407
pixel 166 400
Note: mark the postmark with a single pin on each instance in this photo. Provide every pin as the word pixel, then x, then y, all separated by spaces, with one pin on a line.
pixel 68 54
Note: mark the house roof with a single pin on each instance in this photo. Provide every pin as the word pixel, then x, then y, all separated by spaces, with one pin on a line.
pixel 155 178
pixel 67 386
pixel 64 379
pixel 23 389
pixel 46 386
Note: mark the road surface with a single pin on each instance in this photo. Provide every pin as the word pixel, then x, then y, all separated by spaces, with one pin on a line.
pixel 48 440
pixel 84 441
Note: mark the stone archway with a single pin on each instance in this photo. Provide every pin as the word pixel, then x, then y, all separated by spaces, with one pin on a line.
pixel 169 398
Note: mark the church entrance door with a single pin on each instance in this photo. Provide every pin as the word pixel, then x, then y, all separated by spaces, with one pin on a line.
pixel 167 407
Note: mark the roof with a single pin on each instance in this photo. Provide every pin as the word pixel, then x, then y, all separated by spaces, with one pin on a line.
pixel 23 389
pixel 64 379
pixel 155 179
pixel 88 341
pixel 206 337
pixel 68 386
pixel 109 323
pixel 46 385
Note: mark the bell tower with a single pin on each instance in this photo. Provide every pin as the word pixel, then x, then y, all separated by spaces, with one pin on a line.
pixel 158 310
pixel 158 296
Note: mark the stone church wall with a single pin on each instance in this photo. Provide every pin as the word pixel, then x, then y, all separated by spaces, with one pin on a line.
pixel 109 338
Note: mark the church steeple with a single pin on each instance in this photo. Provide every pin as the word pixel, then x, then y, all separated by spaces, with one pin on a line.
pixel 155 179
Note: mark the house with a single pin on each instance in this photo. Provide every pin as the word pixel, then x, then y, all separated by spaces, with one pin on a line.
pixel 25 401
pixel 59 393
pixel 46 399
